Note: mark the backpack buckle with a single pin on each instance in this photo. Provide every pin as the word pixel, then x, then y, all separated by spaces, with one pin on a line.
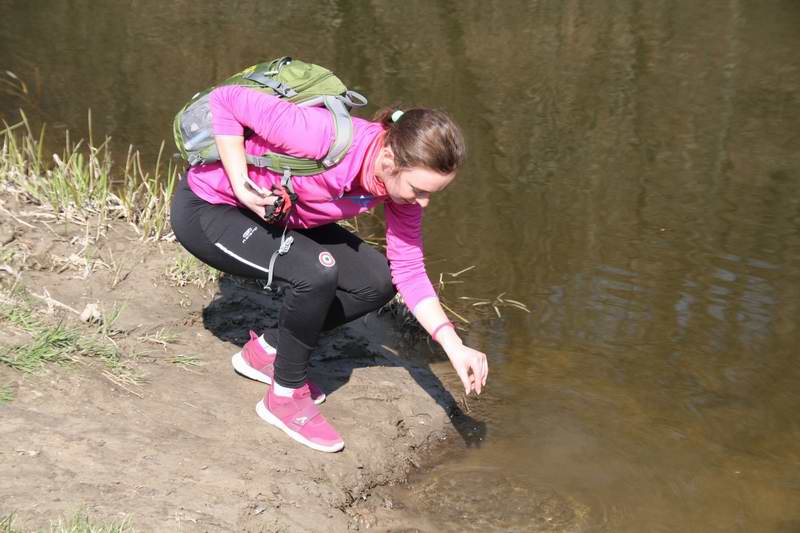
pixel 262 78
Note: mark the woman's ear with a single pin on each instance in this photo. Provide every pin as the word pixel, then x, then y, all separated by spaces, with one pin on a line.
pixel 387 160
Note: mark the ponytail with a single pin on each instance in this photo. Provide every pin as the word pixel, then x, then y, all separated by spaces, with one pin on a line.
pixel 422 137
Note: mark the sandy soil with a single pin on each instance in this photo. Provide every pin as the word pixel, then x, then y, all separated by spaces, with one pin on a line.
pixel 184 450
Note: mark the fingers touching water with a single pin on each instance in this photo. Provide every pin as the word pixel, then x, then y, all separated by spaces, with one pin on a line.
pixel 471 366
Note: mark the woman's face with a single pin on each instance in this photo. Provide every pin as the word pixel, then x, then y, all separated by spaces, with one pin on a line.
pixel 415 185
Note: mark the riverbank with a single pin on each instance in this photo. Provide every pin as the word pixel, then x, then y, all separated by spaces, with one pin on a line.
pixel 118 397
pixel 168 433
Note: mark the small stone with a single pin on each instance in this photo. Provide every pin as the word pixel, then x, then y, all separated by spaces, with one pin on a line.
pixel 29 453
pixel 91 313
pixel 7 234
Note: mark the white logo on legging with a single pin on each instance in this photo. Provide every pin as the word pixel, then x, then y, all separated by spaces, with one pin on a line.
pixel 247 233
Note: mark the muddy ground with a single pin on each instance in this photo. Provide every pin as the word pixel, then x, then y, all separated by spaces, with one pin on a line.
pixel 182 449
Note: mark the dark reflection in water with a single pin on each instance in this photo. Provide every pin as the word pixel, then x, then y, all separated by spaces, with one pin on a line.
pixel 633 176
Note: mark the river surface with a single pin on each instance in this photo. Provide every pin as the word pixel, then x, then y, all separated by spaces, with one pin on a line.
pixel 633 178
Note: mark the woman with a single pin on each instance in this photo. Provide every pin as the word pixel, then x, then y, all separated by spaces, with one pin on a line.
pixel 333 277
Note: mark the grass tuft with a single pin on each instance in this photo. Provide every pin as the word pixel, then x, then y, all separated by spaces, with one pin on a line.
pixel 162 337
pixel 6 395
pixel 80 184
pixel 186 361
pixel 79 523
pixel 7 524
pixel 59 343
pixel 188 270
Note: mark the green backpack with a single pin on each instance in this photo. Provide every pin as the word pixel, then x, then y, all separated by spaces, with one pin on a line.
pixel 304 84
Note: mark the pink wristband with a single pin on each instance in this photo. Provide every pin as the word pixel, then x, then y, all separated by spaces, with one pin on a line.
pixel 440 326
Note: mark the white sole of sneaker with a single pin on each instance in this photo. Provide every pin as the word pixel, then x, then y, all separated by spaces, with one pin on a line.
pixel 265 415
pixel 242 368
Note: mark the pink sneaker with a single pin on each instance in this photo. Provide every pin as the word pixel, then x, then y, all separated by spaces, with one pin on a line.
pixel 256 363
pixel 300 418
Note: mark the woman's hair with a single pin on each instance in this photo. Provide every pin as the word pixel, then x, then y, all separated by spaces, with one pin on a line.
pixel 423 137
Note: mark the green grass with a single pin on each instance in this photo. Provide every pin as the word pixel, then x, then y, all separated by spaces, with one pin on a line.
pixel 7 524
pixel 82 182
pixel 79 523
pixel 6 394
pixel 186 361
pixel 188 270
pixel 52 343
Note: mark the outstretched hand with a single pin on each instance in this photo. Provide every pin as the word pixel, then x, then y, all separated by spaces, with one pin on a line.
pixel 471 366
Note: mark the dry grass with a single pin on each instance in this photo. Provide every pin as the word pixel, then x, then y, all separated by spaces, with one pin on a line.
pixel 81 185
pixel 79 523
pixel 465 309
pixel 161 337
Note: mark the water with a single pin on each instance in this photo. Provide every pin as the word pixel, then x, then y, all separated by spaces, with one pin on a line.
pixel 633 178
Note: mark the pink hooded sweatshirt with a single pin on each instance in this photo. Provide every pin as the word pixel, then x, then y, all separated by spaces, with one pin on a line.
pixel 333 195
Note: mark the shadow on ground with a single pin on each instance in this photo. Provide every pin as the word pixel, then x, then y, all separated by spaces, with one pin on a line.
pixel 243 305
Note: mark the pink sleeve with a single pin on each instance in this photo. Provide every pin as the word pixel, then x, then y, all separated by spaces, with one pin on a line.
pixel 288 128
pixel 404 250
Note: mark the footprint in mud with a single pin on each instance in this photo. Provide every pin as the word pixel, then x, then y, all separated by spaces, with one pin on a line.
pixel 466 502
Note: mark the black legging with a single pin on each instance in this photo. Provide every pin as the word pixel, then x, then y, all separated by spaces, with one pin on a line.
pixel 334 277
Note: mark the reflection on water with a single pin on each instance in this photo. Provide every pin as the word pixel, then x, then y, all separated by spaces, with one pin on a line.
pixel 633 177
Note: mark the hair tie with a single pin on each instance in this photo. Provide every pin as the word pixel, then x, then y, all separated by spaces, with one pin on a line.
pixel 396 115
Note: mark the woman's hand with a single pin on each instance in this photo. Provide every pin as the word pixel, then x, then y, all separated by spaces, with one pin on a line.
pixel 470 365
pixel 255 198
pixel 231 153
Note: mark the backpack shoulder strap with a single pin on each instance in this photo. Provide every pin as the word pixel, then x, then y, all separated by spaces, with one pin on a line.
pixel 343 128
